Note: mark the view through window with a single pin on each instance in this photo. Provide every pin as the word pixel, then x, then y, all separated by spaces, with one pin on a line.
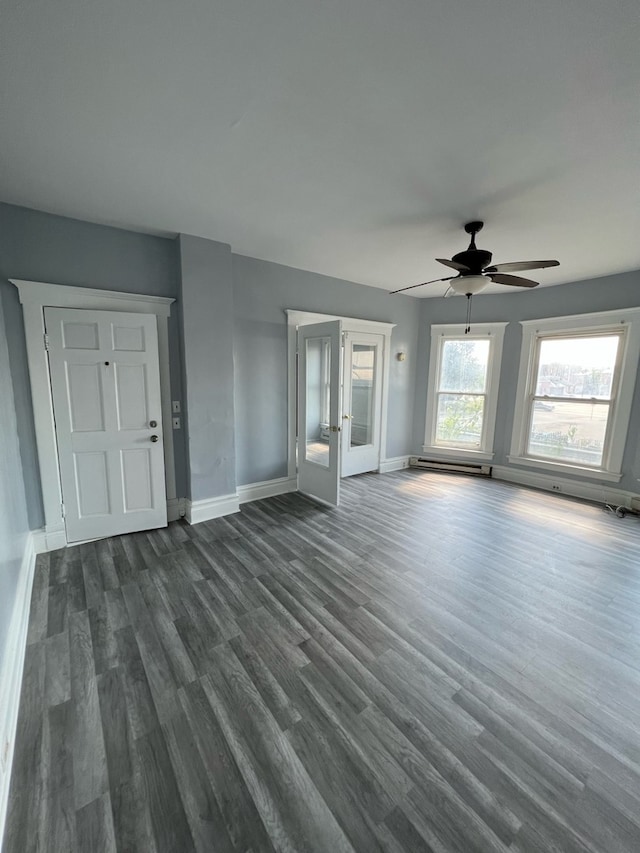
pixel 571 402
pixel 461 392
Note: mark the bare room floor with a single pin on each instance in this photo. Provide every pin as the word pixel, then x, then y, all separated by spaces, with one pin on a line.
pixel 441 664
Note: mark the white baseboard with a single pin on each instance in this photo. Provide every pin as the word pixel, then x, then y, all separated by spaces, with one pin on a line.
pixel 397 463
pixel 176 508
pixel 197 511
pixel 11 673
pixel 49 539
pixel 599 493
pixel 267 489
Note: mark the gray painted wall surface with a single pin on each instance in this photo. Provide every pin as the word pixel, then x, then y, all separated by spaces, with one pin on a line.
pixel 40 247
pixel 14 524
pixel 584 297
pixel 262 292
pixel 207 316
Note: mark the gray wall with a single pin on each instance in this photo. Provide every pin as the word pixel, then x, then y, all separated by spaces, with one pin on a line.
pixel 14 523
pixel 584 297
pixel 40 247
pixel 262 292
pixel 207 316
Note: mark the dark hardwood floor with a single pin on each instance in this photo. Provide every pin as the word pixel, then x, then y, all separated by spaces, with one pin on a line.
pixel 441 664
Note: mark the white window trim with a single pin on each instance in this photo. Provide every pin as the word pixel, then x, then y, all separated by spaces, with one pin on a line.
pixel 604 321
pixel 35 296
pixel 479 331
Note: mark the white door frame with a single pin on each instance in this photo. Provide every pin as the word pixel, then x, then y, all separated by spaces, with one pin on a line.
pixel 34 297
pixel 297 318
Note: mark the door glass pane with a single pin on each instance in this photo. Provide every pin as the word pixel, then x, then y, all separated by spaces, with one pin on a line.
pixel 459 419
pixel 363 366
pixel 577 367
pixel 318 390
pixel 464 365
pixel 572 431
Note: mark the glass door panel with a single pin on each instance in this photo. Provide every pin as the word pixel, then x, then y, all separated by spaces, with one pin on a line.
pixel 318 391
pixel 363 368
pixel 362 397
pixel 319 428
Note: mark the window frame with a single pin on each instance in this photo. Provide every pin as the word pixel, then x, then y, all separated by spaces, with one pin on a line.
pixel 626 324
pixel 479 331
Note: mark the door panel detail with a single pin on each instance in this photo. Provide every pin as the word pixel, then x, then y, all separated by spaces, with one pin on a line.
pixel 84 390
pixel 127 338
pixel 80 335
pixel 136 478
pixel 131 395
pixel 92 484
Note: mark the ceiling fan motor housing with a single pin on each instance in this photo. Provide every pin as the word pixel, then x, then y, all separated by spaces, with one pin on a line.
pixel 475 259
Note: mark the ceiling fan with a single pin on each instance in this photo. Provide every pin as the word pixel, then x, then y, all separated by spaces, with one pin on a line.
pixel 475 272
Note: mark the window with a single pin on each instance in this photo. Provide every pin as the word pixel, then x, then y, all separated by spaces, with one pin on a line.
pixel 574 395
pixel 463 384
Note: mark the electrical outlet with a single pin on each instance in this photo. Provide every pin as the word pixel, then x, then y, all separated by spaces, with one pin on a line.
pixel 555 488
pixel 175 422
pixel 175 408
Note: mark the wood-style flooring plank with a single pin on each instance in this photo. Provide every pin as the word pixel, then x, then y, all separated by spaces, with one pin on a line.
pixel 440 665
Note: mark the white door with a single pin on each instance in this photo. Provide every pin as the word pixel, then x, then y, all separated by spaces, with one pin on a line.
pixel 319 372
pixel 362 402
pixel 105 385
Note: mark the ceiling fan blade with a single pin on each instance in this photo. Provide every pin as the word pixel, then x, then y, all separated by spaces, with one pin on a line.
pixel 518 266
pixel 515 280
pixel 453 264
pixel 422 283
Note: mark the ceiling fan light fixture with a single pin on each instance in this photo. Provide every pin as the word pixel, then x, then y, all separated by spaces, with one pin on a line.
pixel 469 284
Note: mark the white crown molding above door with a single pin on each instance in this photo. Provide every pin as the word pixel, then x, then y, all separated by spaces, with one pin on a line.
pixel 34 297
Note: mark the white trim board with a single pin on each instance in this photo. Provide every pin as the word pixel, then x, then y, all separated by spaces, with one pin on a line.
pixel 45 540
pixel 11 674
pixel 176 508
pixel 267 489
pixel 396 463
pixel 35 296
pixel 205 510
pixel 603 494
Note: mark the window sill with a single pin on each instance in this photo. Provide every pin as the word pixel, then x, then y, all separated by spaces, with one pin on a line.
pixel 564 468
pixel 457 452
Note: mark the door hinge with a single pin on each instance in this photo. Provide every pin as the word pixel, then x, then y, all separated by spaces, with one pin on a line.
pixel 46 341
pixel 62 510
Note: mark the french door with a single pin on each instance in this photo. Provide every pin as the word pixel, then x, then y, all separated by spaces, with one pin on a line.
pixel 362 402
pixel 319 421
pixel 105 386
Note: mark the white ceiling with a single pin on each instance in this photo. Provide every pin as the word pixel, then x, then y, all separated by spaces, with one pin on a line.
pixel 349 137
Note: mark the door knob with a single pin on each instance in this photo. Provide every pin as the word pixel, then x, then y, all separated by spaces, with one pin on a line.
pixel 154 438
pixel 335 429
pixel 153 424
pixel 348 417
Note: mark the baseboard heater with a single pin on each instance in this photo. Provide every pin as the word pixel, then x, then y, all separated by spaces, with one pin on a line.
pixel 451 467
